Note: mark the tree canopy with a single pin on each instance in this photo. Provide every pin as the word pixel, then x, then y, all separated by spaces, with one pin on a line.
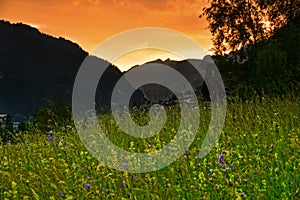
pixel 236 23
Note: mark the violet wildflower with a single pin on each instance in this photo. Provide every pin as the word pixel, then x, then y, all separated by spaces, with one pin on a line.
pixel 54 138
pixel 122 185
pixel 82 169
pixel 231 165
pixel 221 157
pixel 220 165
pixel 74 167
pixel 86 186
pixel 149 145
pixel 125 165
pixel 225 170
pixel 49 138
pixel 148 181
pixel 62 195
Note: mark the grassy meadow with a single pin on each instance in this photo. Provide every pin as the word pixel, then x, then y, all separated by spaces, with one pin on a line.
pixel 257 157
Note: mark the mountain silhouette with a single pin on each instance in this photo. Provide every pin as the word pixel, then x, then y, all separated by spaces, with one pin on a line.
pixel 35 66
pixel 156 93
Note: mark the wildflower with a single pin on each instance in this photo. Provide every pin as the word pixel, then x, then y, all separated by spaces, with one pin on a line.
pixel 148 181
pixel 86 186
pixel 128 195
pixel 231 165
pixel 125 165
pixel 49 138
pixel 54 138
pixel 211 170
pixel 221 157
pixel 220 165
pixel 74 167
pixel 292 182
pixel 82 169
pixel 122 185
pixel 225 170
pixel 149 145
pixel 13 184
pixel 243 193
pixel 62 195
pixel 210 179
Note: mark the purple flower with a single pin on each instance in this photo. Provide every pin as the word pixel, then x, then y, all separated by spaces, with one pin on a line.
pixel 62 195
pixel 82 169
pixel 220 165
pixel 230 152
pixel 225 170
pixel 149 145
pixel 122 185
pixel 128 195
pixel 49 138
pixel 231 165
pixel 148 181
pixel 86 186
pixel 125 165
pixel 221 157
pixel 74 167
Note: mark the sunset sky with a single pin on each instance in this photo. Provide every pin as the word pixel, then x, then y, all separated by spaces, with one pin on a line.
pixel 89 22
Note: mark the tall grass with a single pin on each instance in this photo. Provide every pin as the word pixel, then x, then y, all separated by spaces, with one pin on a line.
pixel 259 147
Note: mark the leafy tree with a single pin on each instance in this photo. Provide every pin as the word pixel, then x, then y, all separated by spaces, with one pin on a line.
pixel 236 23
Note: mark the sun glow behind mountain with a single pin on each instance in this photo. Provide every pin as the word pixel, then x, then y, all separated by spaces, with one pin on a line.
pixel 89 22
